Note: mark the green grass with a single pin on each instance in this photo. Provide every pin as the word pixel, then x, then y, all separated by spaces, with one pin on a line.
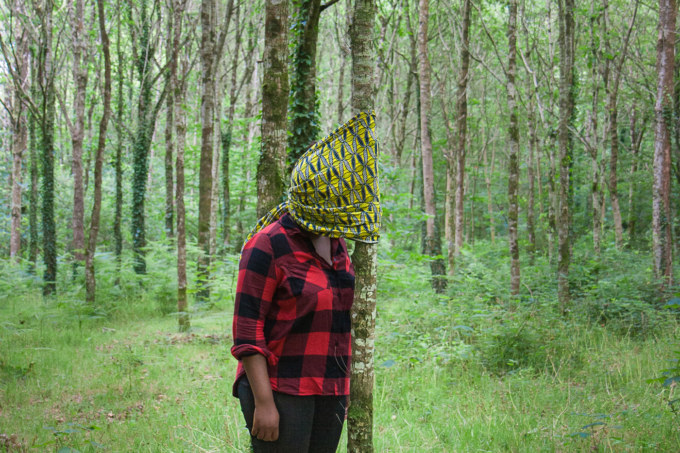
pixel 465 373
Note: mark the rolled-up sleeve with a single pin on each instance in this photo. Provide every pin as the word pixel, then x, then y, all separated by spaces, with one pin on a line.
pixel 257 282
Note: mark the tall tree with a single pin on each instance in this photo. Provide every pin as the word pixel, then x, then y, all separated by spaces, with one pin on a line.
pixel 171 59
pixel 212 45
pixel 360 416
pixel 46 76
pixel 179 117
pixel 271 167
pixel 565 140
pixel 18 59
pixel 146 119
pixel 76 125
pixel 118 160
pixel 513 134
pixel 455 170
pixel 612 111
pixel 432 241
pixel 90 281
pixel 209 63
pixel 661 205
pixel 304 123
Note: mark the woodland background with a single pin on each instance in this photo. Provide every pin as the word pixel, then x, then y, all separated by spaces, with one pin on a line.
pixel 530 176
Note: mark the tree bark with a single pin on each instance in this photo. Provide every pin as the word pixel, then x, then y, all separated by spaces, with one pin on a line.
pixel 461 128
pixel 565 140
pixel 171 59
pixel 205 186
pixel 661 208
pixel 80 78
pixel 437 265
pixel 226 136
pixel 19 128
pixel 33 121
pixel 118 161
pixel 179 93
pixel 142 140
pixel 304 126
pixel 271 167
pixel 636 134
pixel 360 415
pixel 513 135
pixel 48 110
pixel 90 281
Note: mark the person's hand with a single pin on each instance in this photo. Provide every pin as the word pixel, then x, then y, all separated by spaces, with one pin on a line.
pixel 266 422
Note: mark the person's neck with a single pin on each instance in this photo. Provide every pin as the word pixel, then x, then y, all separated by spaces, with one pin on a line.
pixel 322 245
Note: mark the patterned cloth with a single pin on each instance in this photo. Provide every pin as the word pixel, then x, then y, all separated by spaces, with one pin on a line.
pixel 294 309
pixel 334 185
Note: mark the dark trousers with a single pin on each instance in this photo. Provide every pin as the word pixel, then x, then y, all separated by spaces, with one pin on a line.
pixel 306 423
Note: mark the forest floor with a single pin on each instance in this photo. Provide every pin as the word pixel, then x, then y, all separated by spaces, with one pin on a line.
pixel 461 373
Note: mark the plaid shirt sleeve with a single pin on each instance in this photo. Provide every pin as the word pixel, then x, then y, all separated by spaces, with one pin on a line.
pixel 257 281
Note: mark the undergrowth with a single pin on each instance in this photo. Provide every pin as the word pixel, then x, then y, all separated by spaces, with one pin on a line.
pixel 471 370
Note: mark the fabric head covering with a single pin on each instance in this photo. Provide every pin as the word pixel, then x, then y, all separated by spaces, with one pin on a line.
pixel 334 185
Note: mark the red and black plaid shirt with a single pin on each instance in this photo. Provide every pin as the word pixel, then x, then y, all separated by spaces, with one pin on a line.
pixel 294 308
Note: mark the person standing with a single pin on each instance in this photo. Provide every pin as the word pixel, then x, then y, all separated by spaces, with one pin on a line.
pixel 295 291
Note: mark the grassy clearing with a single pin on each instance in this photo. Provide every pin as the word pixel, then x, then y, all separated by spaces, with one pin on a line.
pixel 468 372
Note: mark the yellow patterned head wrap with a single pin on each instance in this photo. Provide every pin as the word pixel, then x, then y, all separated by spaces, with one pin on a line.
pixel 334 185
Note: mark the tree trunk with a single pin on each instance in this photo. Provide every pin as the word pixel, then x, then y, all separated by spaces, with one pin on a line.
pixel 80 76
pixel 566 120
pixel 205 186
pixel 271 167
pixel 48 111
pixel 304 126
pixel 437 265
pixel 360 415
pixel 513 134
pixel 636 135
pixel 142 141
pixel 90 282
pixel 489 196
pixel 461 138
pixel 226 136
pixel 661 208
pixel 171 59
pixel 118 162
pixel 461 129
pixel 19 130
pixel 33 119
pixel 179 93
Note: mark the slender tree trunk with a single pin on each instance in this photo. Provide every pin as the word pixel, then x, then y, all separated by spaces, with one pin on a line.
pixel 360 415
pixel 513 133
pixel 118 162
pixel 48 110
pixel 340 29
pixel 90 281
pixel 19 131
pixel 461 131
pixel 270 169
pixel 142 141
pixel 34 244
pixel 489 196
pixel 304 126
pixel 636 135
pixel 171 58
pixel 531 175
pixel 661 207
pixel 566 119
pixel 437 265
pixel 205 187
pixel 179 93
pixel 80 76
pixel 226 136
